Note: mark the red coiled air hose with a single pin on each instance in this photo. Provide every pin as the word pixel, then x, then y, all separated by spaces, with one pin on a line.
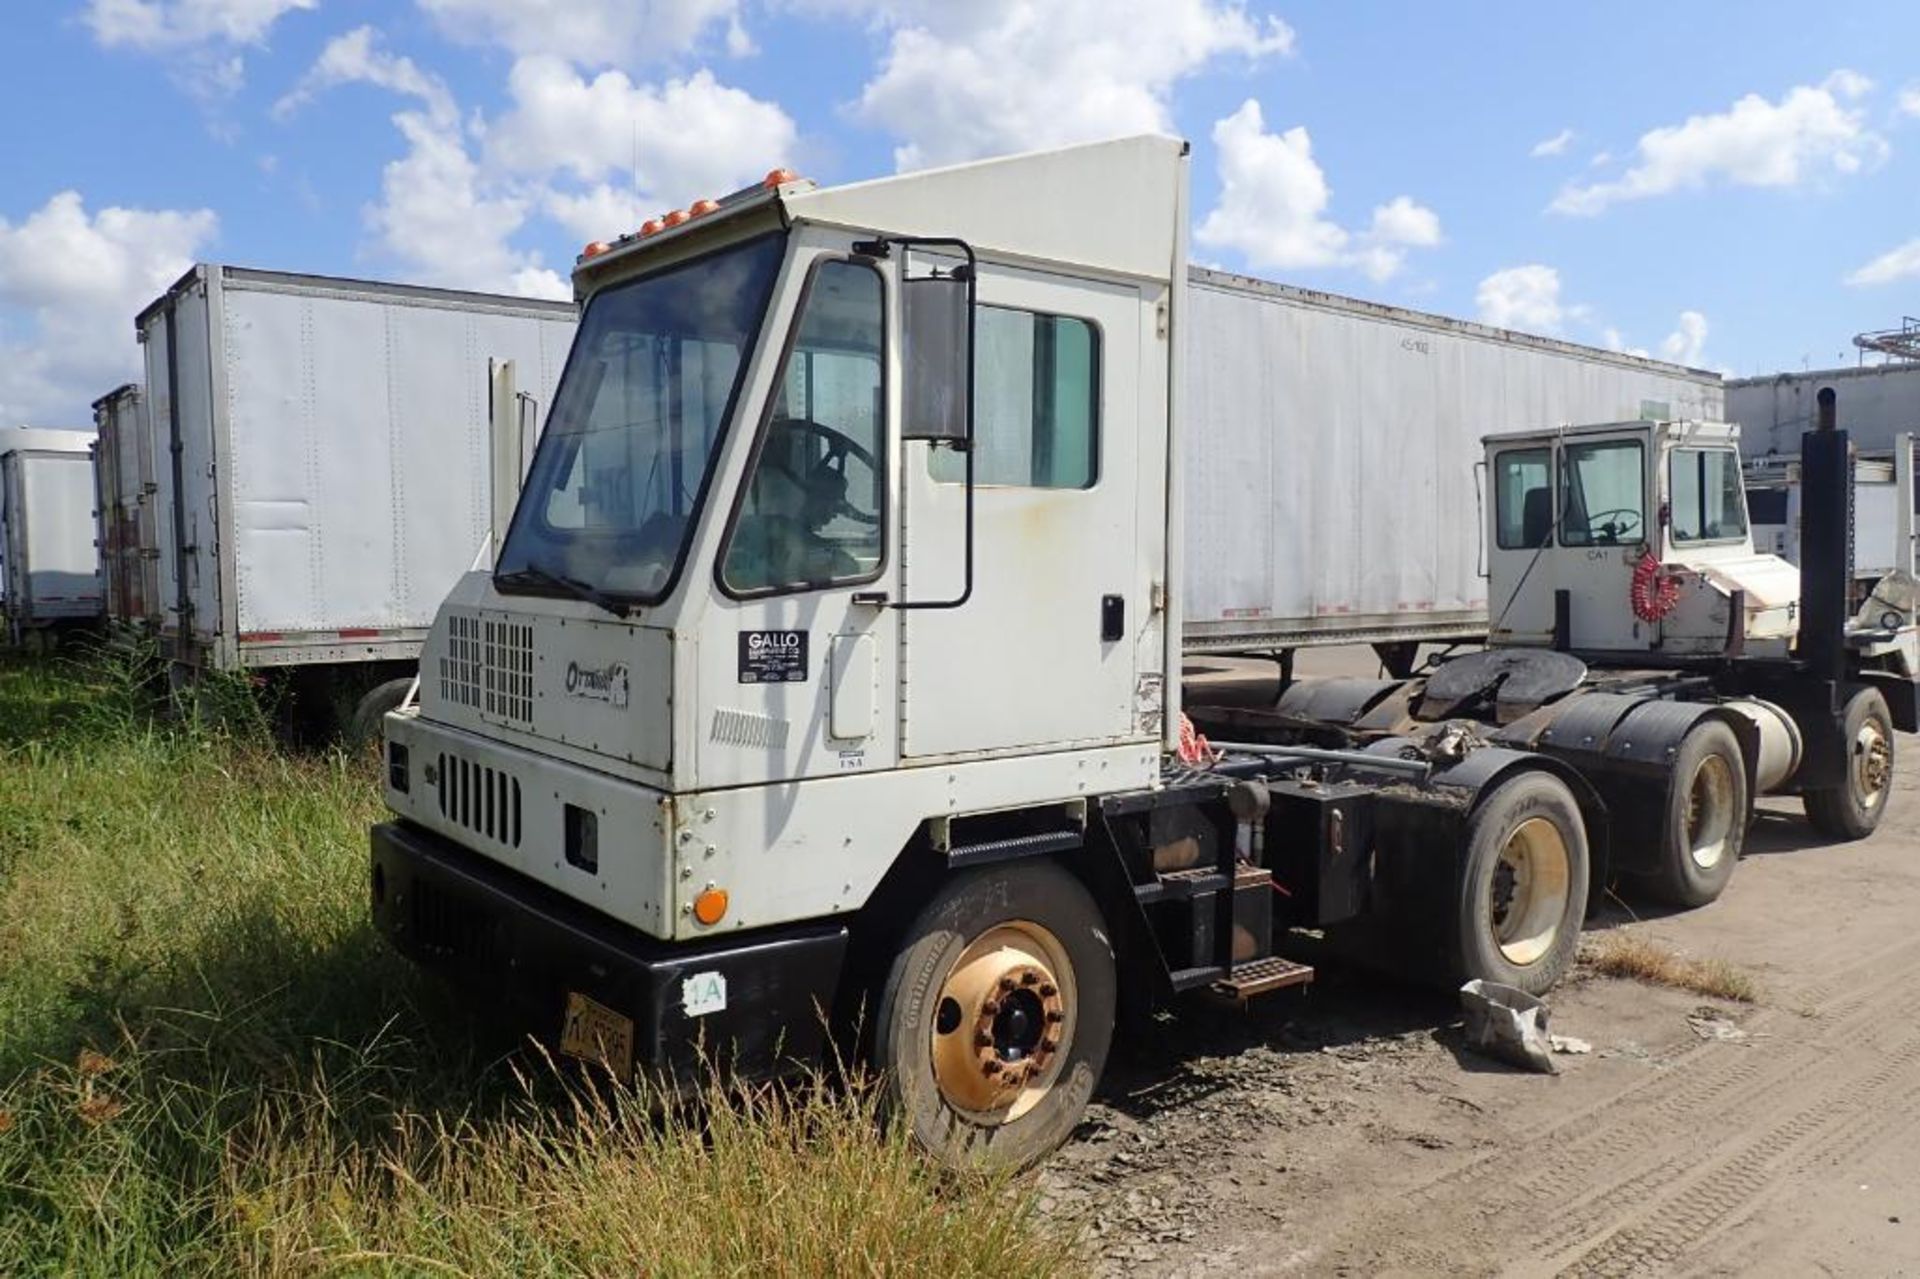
pixel 1653 593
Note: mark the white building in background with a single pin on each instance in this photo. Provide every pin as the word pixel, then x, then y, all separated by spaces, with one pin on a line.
pixel 1873 403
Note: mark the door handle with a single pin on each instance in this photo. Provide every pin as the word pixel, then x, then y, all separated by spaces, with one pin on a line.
pixel 1113 618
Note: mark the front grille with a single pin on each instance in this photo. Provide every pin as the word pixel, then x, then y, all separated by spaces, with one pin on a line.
pixel 484 800
pixel 488 666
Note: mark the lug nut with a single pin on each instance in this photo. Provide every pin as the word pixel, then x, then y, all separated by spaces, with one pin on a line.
pixel 990 1067
pixel 1049 990
pixel 989 1008
pixel 1029 979
pixel 982 1039
pixel 1055 1015
pixel 1048 1045
pixel 1006 983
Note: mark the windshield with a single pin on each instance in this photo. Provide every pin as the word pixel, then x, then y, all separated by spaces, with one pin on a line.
pixel 620 473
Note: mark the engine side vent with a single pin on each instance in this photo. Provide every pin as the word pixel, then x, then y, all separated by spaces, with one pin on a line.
pixel 460 667
pixel 484 800
pixel 745 728
pixel 507 651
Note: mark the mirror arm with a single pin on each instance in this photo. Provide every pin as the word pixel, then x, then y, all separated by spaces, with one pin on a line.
pixel 970 273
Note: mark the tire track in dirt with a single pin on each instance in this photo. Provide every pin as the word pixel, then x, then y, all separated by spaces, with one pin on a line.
pixel 1720 1189
pixel 1577 1175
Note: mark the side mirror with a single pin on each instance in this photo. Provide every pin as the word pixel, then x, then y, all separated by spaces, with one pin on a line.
pixel 936 313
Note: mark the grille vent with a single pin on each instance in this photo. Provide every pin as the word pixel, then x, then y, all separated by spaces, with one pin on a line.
pixel 484 800
pixel 744 728
pixel 488 667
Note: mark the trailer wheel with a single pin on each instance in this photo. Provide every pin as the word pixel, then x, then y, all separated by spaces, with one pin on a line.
pixel 363 727
pixel 1707 808
pixel 1524 886
pixel 995 1019
pixel 1853 809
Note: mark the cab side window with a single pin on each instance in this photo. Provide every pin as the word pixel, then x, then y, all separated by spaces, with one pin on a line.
pixel 1523 499
pixel 813 511
pixel 1036 398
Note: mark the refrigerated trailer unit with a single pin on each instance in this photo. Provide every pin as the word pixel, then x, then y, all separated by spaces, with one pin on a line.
pixel 319 453
pixel 828 682
pixel 50 568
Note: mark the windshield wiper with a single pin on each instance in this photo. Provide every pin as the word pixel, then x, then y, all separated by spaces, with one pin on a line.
pixel 573 586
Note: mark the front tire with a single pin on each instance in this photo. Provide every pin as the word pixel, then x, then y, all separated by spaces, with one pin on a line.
pixel 1523 886
pixel 1706 825
pixel 996 1016
pixel 1853 809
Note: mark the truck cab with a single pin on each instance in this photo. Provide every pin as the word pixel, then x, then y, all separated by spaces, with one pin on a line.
pixel 1631 537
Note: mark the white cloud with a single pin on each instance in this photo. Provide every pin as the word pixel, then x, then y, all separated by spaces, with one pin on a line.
pixel 170 24
pixel 1910 100
pixel 692 137
pixel 356 57
pixel 960 81
pixel 1522 297
pixel 594 33
pixel 1900 263
pixel 1687 344
pixel 598 213
pixel 70 285
pixel 565 148
pixel 1273 204
pixel 1807 134
pixel 441 218
pixel 1401 221
pixel 1555 145
pixel 198 37
pixel 1615 342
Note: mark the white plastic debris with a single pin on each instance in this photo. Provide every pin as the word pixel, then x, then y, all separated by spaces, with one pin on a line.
pixel 1508 1023
pixel 1568 1044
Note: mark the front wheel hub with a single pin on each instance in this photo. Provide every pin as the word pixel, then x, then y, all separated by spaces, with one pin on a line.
pixel 1003 1018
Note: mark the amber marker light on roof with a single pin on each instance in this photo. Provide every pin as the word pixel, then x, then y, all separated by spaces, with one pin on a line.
pixel 780 177
pixel 700 208
pixel 594 250
pixel 675 218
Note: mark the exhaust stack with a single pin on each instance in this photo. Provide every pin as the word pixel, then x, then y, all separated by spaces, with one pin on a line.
pixel 1826 540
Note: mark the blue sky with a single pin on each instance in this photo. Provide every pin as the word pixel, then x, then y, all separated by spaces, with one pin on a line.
pixel 1730 184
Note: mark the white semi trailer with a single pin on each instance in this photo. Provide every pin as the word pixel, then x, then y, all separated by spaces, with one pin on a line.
pixel 49 569
pixel 309 467
pixel 828 680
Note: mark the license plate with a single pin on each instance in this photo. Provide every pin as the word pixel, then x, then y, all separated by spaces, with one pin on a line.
pixel 594 1032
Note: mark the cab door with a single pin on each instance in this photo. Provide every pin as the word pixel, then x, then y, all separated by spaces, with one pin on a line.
pixel 797 671
pixel 1519 541
pixel 1067 529
pixel 1603 526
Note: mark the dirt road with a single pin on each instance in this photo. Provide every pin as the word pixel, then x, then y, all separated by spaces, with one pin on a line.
pixel 1348 1131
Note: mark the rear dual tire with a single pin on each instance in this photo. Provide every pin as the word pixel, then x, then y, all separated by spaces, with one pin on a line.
pixel 1523 885
pixel 1705 828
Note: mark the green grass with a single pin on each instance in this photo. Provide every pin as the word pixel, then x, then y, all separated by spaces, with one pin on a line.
pixel 210 1063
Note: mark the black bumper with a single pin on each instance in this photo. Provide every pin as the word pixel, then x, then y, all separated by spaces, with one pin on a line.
pixel 457 913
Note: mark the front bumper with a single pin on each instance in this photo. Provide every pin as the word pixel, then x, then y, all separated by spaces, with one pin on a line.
pixel 453 911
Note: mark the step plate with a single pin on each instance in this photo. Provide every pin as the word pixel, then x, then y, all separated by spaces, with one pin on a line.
pixel 1263 975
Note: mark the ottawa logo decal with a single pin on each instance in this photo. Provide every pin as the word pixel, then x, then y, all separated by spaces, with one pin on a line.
pixel 605 684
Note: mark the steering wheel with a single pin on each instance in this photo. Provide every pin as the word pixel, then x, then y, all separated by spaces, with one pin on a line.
pixel 1628 524
pixel 839 448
